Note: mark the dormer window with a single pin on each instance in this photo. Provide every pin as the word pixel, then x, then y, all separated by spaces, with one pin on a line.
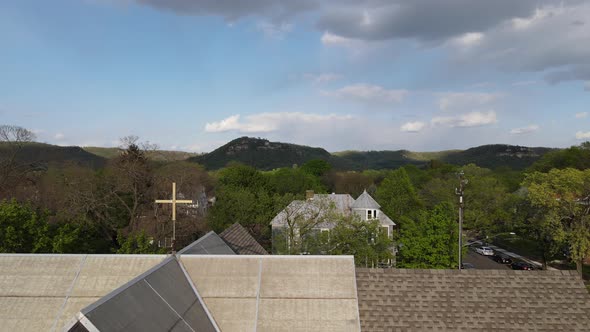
pixel 371 214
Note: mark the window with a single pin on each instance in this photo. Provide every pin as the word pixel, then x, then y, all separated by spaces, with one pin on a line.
pixel 371 214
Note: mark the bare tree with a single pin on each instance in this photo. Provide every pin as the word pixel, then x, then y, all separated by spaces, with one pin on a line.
pixel 300 218
pixel 12 139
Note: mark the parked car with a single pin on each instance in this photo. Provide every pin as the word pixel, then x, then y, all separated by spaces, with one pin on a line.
pixel 486 251
pixel 466 266
pixel 502 259
pixel 522 266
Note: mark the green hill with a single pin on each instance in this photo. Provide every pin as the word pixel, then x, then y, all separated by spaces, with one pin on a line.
pixel 158 155
pixel 265 155
pixel 261 154
pixel 41 154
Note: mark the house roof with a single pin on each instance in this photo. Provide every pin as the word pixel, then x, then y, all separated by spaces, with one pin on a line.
pixel 241 242
pixel 365 201
pixel 208 244
pixel 161 299
pixel 277 293
pixel 472 300
pixel 44 292
pixel 341 202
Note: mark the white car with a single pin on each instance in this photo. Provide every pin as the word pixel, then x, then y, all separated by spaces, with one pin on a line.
pixel 486 251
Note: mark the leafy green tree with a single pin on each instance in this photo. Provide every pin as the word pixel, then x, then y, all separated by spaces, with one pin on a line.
pixel 22 229
pixel 577 157
pixel 565 194
pixel 241 176
pixel 430 241
pixel 397 195
pixel 79 237
pixel 365 240
pixel 138 243
pixel 316 167
pixel 293 181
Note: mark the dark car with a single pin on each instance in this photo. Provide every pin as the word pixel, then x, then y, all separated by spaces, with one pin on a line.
pixel 502 259
pixel 522 266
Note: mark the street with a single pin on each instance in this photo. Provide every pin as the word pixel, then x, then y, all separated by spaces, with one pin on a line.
pixel 483 262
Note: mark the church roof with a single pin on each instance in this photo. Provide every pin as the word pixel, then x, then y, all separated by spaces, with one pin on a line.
pixel 472 300
pixel 365 201
pixel 161 299
pixel 277 293
pixel 241 242
pixel 208 244
pixel 41 292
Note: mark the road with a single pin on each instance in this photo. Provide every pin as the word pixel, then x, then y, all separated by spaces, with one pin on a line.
pixel 483 262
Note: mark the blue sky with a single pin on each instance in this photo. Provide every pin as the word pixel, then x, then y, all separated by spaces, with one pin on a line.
pixel 193 74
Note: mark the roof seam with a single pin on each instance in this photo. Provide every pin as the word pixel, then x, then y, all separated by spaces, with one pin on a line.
pixel 69 292
pixel 258 293
pixel 168 304
pixel 190 282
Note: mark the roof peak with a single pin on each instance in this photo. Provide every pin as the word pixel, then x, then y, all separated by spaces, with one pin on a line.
pixel 365 201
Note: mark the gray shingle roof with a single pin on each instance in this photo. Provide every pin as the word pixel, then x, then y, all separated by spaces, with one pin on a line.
pixel 208 244
pixel 240 241
pixel 472 300
pixel 365 201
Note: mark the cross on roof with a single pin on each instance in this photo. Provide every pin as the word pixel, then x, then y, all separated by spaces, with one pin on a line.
pixel 174 201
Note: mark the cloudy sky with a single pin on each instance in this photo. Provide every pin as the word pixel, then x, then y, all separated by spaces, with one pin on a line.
pixel 341 74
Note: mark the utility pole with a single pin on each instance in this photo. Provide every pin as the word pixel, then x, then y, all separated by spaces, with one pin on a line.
pixel 459 192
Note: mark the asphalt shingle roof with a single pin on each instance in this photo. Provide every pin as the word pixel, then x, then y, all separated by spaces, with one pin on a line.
pixel 240 241
pixel 208 244
pixel 365 201
pixel 472 300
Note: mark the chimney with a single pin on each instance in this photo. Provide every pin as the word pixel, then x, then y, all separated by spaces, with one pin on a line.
pixel 308 195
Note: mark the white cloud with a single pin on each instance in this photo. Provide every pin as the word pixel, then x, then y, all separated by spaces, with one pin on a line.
pixel 274 30
pixel 330 39
pixel 472 119
pixel 465 100
pixel 524 130
pixel 583 135
pixel 581 115
pixel 412 127
pixel 321 78
pixel 59 136
pixel 469 39
pixel 269 122
pixel 368 92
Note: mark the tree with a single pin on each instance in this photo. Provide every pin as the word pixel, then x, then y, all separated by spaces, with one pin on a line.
pixel 397 195
pixel 292 181
pixel 430 241
pixel 566 195
pixel 12 139
pixel 22 230
pixel 365 240
pixel 138 243
pixel 131 179
pixel 316 167
pixel 300 220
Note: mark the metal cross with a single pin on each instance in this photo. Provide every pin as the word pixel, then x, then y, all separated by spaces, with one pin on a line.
pixel 174 201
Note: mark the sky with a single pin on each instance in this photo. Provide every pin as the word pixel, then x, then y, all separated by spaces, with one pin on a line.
pixel 191 75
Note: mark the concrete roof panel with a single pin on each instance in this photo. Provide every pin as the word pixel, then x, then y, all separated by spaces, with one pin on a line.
pixel 233 314
pixel 314 277
pixel 216 276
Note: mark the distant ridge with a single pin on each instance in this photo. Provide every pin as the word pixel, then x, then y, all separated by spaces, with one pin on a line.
pixel 265 155
pixel 42 155
pixel 260 153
